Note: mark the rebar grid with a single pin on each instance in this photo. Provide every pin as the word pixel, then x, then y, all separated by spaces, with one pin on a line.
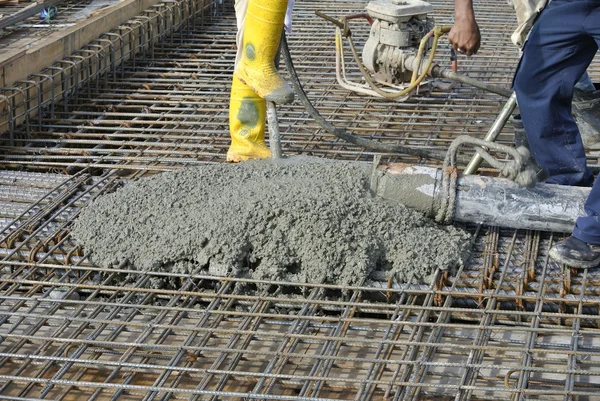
pixel 510 325
pixel 168 106
pixel 80 331
pixel 58 85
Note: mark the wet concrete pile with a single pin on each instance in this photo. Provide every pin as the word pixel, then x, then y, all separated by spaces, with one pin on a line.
pixel 301 220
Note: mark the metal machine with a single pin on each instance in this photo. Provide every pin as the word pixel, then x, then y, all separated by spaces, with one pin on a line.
pixel 396 32
pixel 399 53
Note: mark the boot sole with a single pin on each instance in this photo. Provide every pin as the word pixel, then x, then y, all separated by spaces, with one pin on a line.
pixel 574 263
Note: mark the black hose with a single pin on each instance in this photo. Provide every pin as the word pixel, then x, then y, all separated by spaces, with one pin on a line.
pixel 342 134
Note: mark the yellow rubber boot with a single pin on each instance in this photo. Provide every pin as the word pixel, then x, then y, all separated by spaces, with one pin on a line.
pixel 247 113
pixel 262 33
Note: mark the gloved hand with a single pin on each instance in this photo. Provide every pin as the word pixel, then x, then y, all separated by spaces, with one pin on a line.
pixel 288 16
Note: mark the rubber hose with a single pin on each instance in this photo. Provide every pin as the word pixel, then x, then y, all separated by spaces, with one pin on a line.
pixel 341 133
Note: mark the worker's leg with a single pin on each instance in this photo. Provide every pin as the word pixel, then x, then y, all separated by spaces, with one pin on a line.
pixel 241 6
pixel 262 33
pixel 247 113
pixel 582 249
pixel 554 58
pixel 247 110
pixel 588 228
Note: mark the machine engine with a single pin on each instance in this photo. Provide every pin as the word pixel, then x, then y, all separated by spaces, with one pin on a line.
pixel 397 30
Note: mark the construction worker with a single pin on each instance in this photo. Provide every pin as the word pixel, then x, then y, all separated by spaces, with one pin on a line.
pixel 465 36
pixel 560 47
pixel 260 24
pixel 564 38
pixel 527 13
pixel 255 79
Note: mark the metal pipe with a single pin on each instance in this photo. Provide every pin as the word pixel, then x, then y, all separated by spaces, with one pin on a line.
pixel 494 131
pixel 484 200
pixel 274 133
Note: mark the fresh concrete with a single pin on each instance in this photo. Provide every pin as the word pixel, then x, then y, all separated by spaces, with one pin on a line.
pixel 300 219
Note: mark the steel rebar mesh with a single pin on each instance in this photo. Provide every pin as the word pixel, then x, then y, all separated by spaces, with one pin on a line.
pixel 72 329
pixel 510 325
pixel 169 106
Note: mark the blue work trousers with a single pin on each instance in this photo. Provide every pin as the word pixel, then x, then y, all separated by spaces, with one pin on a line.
pixel 560 47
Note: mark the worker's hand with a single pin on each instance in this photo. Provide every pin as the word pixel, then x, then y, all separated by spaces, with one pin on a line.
pixel 464 35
